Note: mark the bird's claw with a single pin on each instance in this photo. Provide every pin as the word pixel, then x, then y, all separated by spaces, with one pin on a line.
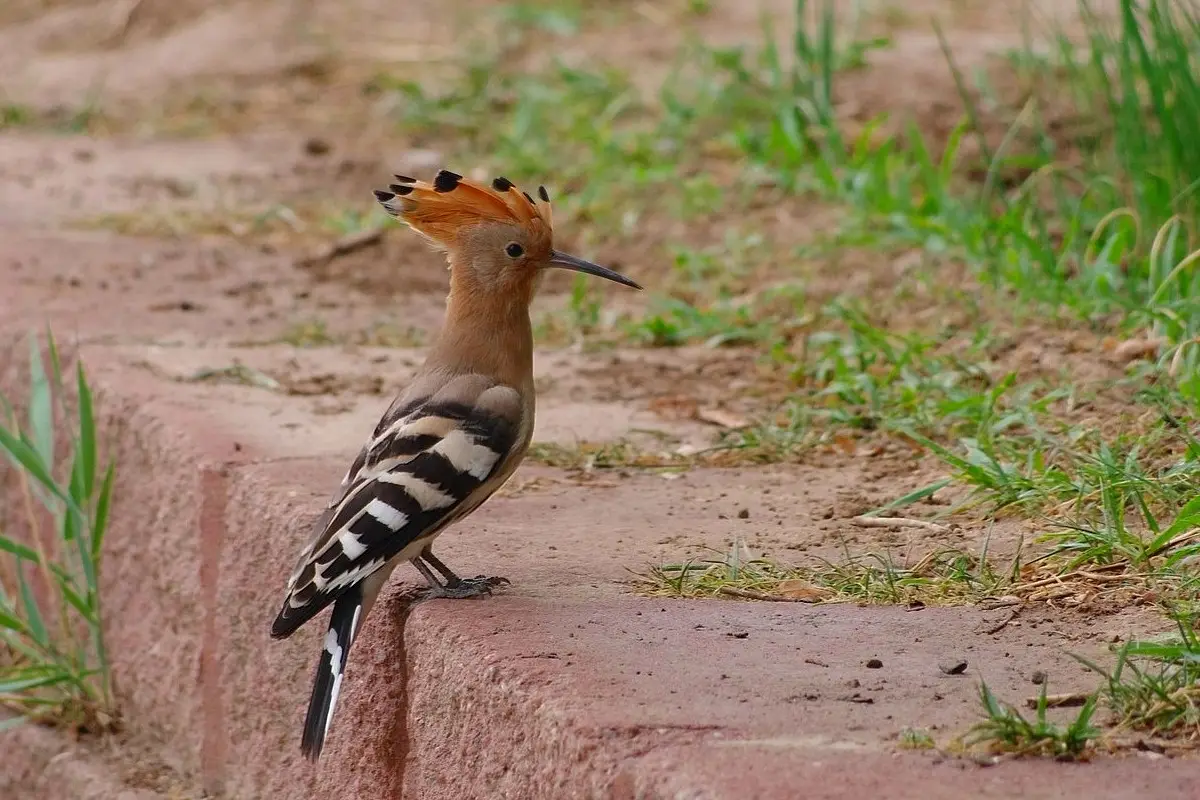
pixel 491 580
pixel 468 587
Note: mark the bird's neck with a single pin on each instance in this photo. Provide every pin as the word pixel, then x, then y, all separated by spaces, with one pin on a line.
pixel 486 331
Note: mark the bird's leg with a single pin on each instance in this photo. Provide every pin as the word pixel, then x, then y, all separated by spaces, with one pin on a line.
pixel 454 587
pixel 429 558
pixel 453 580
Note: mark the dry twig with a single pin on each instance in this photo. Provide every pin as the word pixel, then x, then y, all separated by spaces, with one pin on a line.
pixel 900 522
pixel 1002 624
pixel 1068 700
pixel 751 594
pixel 342 247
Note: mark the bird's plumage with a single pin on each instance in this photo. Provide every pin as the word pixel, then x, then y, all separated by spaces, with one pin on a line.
pixel 347 612
pixel 451 439
pixel 432 458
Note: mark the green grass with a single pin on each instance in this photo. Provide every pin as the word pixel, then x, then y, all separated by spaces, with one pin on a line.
pixel 531 128
pixel 941 577
pixel 66 121
pixel 915 739
pixel 849 372
pixel 615 152
pixel 1108 241
pixel 1154 686
pixel 1110 536
pixel 1110 236
pixel 1005 731
pixel 670 322
pixel 1088 240
pixel 14 116
pixel 590 456
pixel 308 333
pixel 53 662
pixel 346 222
pixel 1151 690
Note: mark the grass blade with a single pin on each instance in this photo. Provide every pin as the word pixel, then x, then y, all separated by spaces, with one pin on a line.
pixel 100 519
pixel 26 458
pixel 39 656
pixel 41 407
pixel 37 628
pixel 13 623
pixel 86 451
pixel 17 549
pixel 914 496
pixel 14 686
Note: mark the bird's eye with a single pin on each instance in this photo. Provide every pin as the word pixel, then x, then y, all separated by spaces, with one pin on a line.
pixel 514 250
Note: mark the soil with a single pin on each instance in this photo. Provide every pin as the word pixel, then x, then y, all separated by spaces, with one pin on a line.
pixel 212 111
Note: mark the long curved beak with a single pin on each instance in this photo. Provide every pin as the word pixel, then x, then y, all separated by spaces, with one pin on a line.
pixel 565 261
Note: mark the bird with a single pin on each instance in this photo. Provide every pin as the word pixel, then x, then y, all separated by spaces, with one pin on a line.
pixel 451 438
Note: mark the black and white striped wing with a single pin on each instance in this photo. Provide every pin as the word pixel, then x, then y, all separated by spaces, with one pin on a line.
pixel 430 461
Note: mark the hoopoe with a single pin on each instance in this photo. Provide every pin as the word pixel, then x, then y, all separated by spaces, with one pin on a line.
pixel 448 441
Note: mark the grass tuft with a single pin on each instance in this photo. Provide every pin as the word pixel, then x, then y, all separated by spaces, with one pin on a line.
pixel 1005 730
pixel 915 739
pixel 53 664
pixel 941 577
pixel 1155 685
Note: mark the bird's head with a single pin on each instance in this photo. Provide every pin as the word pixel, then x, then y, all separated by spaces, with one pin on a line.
pixel 497 238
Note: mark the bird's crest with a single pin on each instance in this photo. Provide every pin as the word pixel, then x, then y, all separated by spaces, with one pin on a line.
pixel 441 210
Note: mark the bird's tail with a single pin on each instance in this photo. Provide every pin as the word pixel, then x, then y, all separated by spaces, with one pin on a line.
pixel 343 625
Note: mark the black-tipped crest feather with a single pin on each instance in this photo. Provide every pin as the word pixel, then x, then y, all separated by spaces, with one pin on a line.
pixel 446 181
pixel 441 209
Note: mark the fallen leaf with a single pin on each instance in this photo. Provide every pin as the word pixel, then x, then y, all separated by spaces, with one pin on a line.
pixel 720 417
pixel 674 406
pixel 1059 700
pixel 1136 349
pixel 846 443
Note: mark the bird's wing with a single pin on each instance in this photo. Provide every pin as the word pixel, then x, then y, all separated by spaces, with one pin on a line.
pixel 436 454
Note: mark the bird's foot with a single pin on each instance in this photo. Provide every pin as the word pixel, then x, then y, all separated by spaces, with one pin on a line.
pixel 467 587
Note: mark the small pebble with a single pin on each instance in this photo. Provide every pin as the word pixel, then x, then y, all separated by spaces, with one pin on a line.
pixel 744 514
pixel 316 146
pixel 957 667
pixel 874 663
pixel 1038 677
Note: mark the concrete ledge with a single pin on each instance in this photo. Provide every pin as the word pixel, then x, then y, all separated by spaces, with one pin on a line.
pixel 562 686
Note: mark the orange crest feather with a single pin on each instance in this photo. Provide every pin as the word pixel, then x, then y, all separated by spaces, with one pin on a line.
pixel 439 211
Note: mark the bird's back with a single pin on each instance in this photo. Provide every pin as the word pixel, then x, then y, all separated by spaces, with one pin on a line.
pixel 445 445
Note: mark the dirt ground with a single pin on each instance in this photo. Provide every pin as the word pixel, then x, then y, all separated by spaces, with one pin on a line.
pixel 204 116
